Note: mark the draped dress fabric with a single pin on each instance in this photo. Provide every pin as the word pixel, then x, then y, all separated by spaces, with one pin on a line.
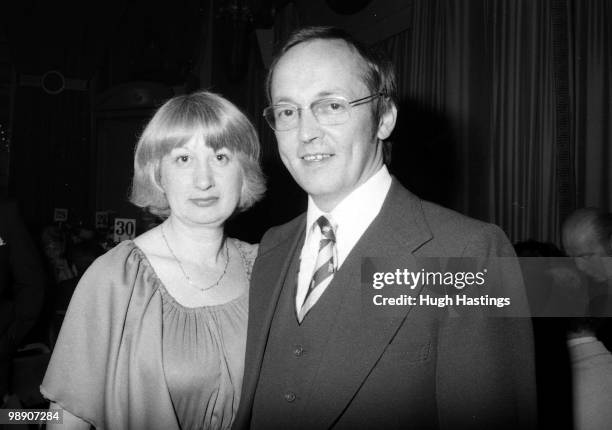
pixel 130 357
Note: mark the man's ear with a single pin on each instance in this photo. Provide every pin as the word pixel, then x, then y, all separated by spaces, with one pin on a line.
pixel 387 121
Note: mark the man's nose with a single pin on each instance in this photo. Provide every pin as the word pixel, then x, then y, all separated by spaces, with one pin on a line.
pixel 309 128
pixel 203 176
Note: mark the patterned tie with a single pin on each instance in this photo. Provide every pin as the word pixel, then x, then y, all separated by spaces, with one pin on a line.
pixel 324 267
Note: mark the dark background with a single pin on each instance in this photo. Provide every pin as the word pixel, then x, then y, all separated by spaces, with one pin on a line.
pixel 70 144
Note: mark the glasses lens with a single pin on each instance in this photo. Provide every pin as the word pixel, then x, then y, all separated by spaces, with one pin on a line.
pixel 281 117
pixel 331 111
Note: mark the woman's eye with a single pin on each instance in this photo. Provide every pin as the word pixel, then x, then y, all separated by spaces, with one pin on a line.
pixel 182 159
pixel 222 158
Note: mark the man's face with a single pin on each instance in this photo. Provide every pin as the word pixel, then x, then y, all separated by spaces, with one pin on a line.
pixel 590 254
pixel 327 161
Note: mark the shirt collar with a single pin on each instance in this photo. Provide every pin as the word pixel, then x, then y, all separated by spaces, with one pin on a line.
pixel 361 205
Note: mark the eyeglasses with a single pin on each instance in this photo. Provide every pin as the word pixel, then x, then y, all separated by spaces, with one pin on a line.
pixel 330 111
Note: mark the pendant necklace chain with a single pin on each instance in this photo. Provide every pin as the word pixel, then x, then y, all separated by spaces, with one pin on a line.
pixel 227 257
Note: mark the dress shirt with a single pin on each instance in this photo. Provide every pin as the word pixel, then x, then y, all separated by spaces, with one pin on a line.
pixel 350 219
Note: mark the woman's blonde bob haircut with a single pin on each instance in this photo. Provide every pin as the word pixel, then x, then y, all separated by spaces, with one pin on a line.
pixel 209 116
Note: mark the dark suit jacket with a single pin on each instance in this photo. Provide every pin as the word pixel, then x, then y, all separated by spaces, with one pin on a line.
pixel 420 369
pixel 22 280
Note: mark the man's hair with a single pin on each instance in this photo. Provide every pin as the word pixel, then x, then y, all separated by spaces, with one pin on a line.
pixel 590 221
pixel 205 115
pixel 379 76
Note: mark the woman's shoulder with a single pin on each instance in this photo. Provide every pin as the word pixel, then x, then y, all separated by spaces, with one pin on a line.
pixel 120 267
pixel 116 257
pixel 248 251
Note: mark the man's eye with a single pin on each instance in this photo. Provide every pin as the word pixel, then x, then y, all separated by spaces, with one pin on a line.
pixel 284 113
pixel 331 107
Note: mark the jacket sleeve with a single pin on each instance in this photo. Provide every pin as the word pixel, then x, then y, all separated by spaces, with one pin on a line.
pixel 486 363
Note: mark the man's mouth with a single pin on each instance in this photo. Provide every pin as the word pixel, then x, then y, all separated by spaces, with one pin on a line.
pixel 316 157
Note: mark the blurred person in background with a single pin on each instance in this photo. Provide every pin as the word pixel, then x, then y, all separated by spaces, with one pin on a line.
pixel 587 237
pixel 154 337
pixel 22 289
pixel 591 375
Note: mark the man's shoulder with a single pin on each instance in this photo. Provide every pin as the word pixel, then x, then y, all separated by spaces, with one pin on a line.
pixel 453 233
pixel 442 218
pixel 435 216
pixel 462 233
pixel 280 233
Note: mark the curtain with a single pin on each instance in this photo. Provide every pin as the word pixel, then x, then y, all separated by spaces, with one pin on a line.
pixel 523 192
pixel 481 102
pixel 591 95
pixel 284 198
pixel 50 154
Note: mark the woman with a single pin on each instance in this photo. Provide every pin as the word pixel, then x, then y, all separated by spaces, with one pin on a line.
pixel 154 337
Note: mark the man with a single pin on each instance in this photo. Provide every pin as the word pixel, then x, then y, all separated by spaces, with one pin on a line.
pixel 587 237
pixel 317 357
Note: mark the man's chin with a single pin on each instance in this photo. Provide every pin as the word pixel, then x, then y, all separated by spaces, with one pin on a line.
pixel 316 188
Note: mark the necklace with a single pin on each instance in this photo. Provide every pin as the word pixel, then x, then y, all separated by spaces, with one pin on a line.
pixel 189 281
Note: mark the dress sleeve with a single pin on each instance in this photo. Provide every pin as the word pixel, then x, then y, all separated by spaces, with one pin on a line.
pixel 87 347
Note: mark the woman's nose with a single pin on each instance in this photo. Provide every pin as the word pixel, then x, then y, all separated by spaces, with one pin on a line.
pixel 203 177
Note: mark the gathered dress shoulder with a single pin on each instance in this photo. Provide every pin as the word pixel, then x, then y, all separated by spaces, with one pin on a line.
pixel 129 356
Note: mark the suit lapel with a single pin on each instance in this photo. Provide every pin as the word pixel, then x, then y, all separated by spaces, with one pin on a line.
pixel 360 334
pixel 267 280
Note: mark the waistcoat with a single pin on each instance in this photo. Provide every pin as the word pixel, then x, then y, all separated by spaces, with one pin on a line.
pixel 293 354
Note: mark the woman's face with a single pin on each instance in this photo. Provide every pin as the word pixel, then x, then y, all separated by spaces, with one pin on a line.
pixel 202 186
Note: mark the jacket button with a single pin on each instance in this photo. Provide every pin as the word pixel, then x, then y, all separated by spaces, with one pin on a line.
pixel 290 396
pixel 298 350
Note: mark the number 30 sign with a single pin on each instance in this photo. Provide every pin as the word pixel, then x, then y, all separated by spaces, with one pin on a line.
pixel 125 228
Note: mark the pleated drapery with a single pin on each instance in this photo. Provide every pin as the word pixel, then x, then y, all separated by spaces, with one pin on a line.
pixel 517 96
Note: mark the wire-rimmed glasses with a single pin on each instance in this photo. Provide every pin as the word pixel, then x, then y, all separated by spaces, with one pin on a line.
pixel 327 111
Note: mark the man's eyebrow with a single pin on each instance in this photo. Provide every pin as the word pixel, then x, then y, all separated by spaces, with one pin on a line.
pixel 320 95
pixel 324 94
pixel 284 101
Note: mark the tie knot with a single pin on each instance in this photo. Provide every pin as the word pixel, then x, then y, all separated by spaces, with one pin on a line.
pixel 327 231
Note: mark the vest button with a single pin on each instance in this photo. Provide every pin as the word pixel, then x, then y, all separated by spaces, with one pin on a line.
pixel 290 396
pixel 298 350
